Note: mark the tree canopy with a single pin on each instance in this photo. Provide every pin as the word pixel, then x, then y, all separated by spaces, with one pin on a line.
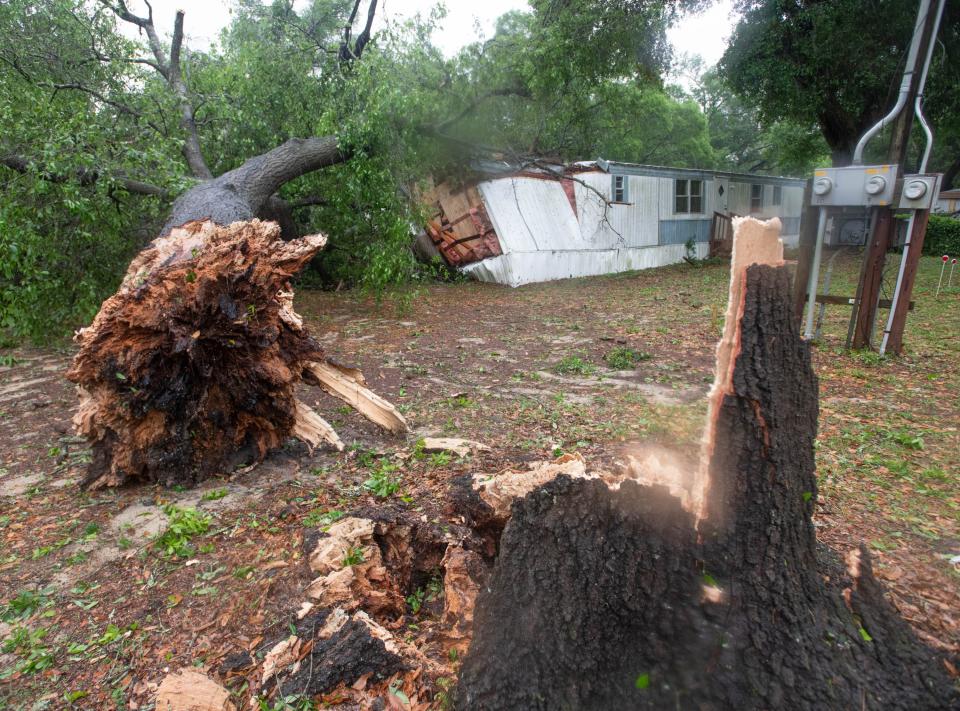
pixel 101 132
pixel 837 64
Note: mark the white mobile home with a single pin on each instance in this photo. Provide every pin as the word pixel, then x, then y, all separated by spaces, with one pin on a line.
pixel 554 222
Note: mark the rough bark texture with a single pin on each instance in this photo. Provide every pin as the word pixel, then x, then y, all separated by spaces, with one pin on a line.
pixel 191 366
pixel 346 656
pixel 621 599
pixel 244 193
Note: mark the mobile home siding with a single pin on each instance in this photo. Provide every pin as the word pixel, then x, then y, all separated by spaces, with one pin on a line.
pixel 548 233
pixel 680 231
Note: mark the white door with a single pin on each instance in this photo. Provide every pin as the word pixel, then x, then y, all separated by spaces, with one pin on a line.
pixel 722 188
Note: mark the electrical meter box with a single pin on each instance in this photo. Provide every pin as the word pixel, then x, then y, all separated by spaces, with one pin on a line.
pixel 919 191
pixel 865 185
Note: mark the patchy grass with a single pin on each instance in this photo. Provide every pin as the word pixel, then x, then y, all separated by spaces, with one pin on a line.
pixel 624 358
pixel 575 365
pixel 515 376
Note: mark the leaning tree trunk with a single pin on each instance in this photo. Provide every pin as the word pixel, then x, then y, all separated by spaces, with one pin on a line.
pixel 632 598
pixel 191 367
pixel 248 191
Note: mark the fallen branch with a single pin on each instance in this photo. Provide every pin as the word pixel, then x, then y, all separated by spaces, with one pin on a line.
pixel 348 385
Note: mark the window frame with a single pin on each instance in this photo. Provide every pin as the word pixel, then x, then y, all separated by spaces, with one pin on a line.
pixel 623 189
pixel 756 201
pixel 777 199
pixel 686 200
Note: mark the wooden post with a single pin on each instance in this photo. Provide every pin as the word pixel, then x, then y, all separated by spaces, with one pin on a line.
pixel 872 277
pixel 915 240
pixel 808 239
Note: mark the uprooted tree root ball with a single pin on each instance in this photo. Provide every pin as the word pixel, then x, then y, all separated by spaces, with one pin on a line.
pixel 634 597
pixel 191 367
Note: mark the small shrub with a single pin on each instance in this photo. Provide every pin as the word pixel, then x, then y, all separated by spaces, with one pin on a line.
pixel 27 645
pixel 25 604
pixel 440 459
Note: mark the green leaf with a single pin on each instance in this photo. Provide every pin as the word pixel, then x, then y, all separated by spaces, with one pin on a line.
pixel 642 682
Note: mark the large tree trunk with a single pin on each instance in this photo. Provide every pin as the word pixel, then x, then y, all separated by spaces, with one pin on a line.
pixel 719 598
pixel 191 367
pixel 245 192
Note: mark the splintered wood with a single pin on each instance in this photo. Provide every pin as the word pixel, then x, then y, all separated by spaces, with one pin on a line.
pixel 191 368
pixel 623 597
pixel 754 242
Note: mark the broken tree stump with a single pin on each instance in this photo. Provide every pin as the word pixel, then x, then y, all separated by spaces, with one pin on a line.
pixel 634 597
pixel 191 367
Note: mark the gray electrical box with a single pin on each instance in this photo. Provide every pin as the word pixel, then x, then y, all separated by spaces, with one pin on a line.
pixel 864 185
pixel 919 191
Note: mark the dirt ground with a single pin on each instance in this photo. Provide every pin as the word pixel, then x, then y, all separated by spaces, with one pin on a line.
pixel 95 612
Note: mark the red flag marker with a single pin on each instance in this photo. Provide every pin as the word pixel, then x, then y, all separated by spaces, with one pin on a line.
pixel 943 265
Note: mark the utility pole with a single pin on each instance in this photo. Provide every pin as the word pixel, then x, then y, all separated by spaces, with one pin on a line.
pixel 875 255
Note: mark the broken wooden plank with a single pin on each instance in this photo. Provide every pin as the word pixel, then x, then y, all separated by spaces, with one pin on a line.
pixel 312 429
pixel 338 382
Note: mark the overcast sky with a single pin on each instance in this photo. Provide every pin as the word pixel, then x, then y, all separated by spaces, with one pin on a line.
pixel 705 34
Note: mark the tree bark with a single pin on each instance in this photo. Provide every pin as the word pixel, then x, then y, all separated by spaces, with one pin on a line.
pixel 950 174
pixel 624 598
pixel 244 193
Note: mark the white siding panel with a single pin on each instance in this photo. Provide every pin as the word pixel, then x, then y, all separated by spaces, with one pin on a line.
pixel 739 198
pixel 594 231
pixel 666 199
pixel 622 225
pixel 530 214
pixel 520 268
pixel 792 201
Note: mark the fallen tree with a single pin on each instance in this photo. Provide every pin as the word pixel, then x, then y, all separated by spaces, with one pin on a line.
pixel 191 368
pixel 714 594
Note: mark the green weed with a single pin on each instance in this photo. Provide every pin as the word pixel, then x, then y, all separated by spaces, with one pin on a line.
pixel 322 519
pixel 183 524
pixel 624 358
pixel 353 556
pixel 214 494
pixel 28 645
pixel 575 365
pixel 381 482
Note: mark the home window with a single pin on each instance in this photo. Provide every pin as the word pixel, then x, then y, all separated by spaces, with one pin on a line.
pixel 688 196
pixel 620 193
pixel 777 195
pixel 756 198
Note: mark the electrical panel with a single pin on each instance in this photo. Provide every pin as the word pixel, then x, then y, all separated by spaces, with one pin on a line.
pixel 919 191
pixel 863 185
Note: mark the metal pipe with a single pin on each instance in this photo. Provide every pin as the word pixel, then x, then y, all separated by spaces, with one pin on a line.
pixel 918 104
pixel 815 273
pixel 918 110
pixel 826 292
pixel 908 71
